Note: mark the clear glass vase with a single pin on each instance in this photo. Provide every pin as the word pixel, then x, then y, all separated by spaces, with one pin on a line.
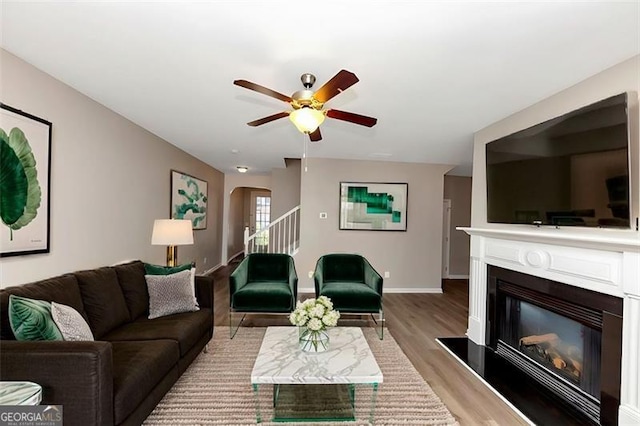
pixel 313 341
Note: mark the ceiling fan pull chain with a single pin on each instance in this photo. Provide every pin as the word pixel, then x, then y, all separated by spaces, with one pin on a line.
pixel 304 152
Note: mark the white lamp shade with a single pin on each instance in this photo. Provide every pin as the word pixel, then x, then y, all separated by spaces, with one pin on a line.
pixel 307 119
pixel 172 232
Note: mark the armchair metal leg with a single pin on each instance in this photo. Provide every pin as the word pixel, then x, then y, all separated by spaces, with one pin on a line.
pixel 232 330
pixel 380 322
pixel 206 348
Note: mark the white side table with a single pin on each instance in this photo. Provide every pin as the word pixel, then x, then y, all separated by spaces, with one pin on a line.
pixel 20 393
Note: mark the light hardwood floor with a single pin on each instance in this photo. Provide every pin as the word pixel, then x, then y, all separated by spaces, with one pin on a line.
pixel 415 320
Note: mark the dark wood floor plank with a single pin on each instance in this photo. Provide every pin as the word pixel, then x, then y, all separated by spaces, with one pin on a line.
pixel 415 320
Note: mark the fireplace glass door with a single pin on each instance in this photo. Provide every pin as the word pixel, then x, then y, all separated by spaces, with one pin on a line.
pixel 565 347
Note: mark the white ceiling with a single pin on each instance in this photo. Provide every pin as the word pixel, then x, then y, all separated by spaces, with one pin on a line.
pixel 431 72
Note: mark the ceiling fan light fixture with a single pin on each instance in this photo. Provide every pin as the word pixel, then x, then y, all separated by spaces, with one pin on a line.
pixel 306 119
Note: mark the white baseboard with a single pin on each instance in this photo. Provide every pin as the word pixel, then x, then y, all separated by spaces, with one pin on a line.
pixel 385 290
pixel 233 256
pixel 212 270
pixel 628 416
pixel 456 277
pixel 437 290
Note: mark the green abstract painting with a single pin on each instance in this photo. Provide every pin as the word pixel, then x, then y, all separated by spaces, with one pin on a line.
pixel 373 206
pixel 189 199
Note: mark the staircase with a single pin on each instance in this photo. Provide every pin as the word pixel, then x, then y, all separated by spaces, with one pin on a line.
pixel 281 236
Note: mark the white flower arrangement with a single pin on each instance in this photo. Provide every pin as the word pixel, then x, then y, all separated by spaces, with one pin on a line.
pixel 315 314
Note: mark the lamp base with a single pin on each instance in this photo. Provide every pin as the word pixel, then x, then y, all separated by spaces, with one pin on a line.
pixel 172 256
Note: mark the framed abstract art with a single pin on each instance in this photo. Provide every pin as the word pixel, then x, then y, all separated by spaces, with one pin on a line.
pixel 371 206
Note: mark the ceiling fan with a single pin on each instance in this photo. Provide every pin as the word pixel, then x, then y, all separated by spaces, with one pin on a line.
pixel 307 113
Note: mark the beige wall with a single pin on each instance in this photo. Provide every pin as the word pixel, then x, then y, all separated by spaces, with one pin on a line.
pixel 109 181
pixel 620 78
pixel 458 190
pixel 413 258
pixel 286 188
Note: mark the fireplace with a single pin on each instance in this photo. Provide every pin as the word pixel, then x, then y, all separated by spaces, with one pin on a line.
pixel 568 339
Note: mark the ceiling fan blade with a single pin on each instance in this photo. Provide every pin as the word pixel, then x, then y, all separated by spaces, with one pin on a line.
pixel 315 136
pixel 341 81
pixel 261 89
pixel 362 120
pixel 268 119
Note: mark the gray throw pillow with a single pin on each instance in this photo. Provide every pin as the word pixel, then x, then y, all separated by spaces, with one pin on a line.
pixel 170 294
pixel 71 324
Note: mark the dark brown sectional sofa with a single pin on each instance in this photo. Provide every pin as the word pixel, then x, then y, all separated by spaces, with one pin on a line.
pixel 119 378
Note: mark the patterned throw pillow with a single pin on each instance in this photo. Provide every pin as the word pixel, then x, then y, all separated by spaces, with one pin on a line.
pixel 31 319
pixel 170 294
pixel 151 269
pixel 71 324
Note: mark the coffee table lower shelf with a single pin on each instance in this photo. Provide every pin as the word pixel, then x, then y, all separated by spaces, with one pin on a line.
pixel 314 402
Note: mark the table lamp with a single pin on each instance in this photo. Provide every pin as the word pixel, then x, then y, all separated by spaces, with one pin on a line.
pixel 172 233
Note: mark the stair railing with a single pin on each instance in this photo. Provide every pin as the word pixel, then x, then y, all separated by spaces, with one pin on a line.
pixel 281 236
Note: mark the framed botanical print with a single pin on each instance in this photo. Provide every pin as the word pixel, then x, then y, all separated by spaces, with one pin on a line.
pixel 366 206
pixel 189 199
pixel 25 143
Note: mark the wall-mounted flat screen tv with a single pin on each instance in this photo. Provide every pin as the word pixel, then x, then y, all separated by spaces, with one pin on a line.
pixel 572 170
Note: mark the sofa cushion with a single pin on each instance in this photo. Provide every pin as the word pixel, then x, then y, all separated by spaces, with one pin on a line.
pixel 137 368
pixel 31 319
pixel 352 297
pixel 70 323
pixel 134 288
pixel 186 329
pixel 63 289
pixel 103 299
pixel 171 294
pixel 342 267
pixel 264 296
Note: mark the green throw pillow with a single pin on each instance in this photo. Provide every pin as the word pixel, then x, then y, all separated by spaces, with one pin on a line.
pixel 150 269
pixel 31 319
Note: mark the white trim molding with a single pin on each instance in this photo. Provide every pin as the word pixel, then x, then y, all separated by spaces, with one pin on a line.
pixel 628 416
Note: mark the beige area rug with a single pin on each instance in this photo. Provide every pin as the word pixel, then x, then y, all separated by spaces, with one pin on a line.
pixel 216 388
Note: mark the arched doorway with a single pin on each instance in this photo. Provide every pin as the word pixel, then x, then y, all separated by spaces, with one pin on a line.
pixel 248 207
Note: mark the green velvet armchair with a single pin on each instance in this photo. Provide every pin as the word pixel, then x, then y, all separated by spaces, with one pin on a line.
pixel 352 284
pixel 262 283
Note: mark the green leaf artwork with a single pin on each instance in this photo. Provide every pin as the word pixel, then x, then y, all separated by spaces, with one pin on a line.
pixel 192 203
pixel 20 193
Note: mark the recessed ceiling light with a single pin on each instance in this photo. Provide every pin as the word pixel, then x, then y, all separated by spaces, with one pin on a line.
pixel 234 151
pixel 242 169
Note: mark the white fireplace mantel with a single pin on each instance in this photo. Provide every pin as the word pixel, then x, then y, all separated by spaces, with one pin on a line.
pixel 605 261
pixel 602 239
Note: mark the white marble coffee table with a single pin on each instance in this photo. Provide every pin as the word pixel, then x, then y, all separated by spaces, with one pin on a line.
pixel 347 362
